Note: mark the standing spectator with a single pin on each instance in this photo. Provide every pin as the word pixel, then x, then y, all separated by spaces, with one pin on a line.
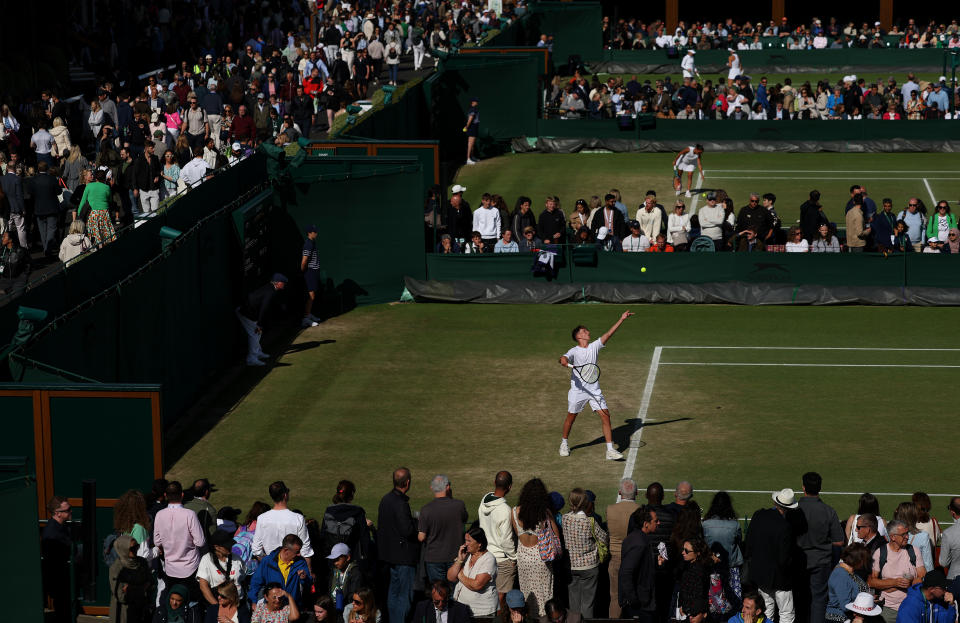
pixel 533 521
pixel 917 226
pixel 883 224
pixel 522 218
pixel 769 552
pixel 47 207
pixel 212 105
pixel 284 567
pixel 146 178
pixel 857 228
pixel 637 577
pixel 43 143
pixel 346 578
pixel 494 519
pixel 929 601
pixel 310 267
pixel 130 582
pixel 12 186
pixel 441 528
pixel 823 533
pixel 57 549
pixel 611 218
pixel 61 138
pixel 486 220
pixel 695 580
pixel 472 128
pixel 618 518
pixel 274 525
pixel 459 216
pixel 170 174
pixel 352 526
pixel 475 570
pixel 866 505
pixel 99 224
pixel 178 534
pixel 721 527
pixel 392 52
pixel 195 171
pixel 925 521
pixel 920 540
pixel 938 226
pixel 551 227
pixel 846 581
pixel 219 566
pixel 811 216
pixel 950 542
pixel 896 567
pixel 200 504
pixel 74 165
pixel 397 544
pixel 582 538
pixel 711 218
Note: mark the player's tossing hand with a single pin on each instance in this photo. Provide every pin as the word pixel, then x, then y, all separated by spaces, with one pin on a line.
pixel 626 315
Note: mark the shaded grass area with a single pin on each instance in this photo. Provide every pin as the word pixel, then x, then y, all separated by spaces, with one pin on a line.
pixel 871 77
pixel 789 176
pixel 468 390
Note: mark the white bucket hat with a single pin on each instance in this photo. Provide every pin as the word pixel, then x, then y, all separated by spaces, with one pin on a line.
pixel 785 498
pixel 864 605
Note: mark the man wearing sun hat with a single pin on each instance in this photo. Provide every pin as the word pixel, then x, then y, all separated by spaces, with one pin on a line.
pixel 769 550
pixel 926 602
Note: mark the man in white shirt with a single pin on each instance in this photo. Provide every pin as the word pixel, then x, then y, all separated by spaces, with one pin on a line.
pixel 42 142
pixel 494 516
pixel 636 242
pixel 194 171
pixel 486 220
pixel 650 218
pixel 275 524
pixel 711 220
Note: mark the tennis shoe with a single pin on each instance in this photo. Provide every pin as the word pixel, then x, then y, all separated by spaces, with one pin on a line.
pixel 307 323
pixel 688 194
pixel 564 449
pixel 253 361
pixel 314 318
pixel 679 192
pixel 613 455
pixel 471 162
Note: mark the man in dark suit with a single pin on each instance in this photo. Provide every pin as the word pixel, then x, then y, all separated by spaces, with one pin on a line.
pixel 12 187
pixel 769 549
pixel 397 544
pixel 440 606
pixel 47 207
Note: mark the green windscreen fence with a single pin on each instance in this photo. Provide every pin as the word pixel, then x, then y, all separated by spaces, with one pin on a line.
pixel 18 495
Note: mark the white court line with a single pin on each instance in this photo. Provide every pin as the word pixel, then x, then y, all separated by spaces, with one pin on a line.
pixel 809 365
pixel 933 495
pixel 847 177
pixel 693 204
pixel 642 413
pixel 952 350
pixel 820 171
pixel 930 190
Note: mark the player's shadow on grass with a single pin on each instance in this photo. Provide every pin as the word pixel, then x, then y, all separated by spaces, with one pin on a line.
pixel 301 346
pixel 621 434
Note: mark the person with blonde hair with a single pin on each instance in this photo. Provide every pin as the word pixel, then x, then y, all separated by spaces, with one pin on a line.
pixel 61 138
pixel 583 537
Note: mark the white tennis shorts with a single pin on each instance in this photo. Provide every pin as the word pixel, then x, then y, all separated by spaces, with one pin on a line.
pixel 577 399
pixel 688 168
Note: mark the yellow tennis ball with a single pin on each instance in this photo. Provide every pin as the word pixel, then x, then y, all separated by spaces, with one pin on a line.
pixel 643 269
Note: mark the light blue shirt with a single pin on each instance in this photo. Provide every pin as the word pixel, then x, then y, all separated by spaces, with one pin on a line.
pixel 943 102
pixel 510 247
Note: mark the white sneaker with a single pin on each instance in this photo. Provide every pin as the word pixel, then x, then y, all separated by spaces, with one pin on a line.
pixel 307 323
pixel 564 449
pixel 688 194
pixel 679 192
pixel 314 319
pixel 613 455
pixel 471 162
pixel 254 362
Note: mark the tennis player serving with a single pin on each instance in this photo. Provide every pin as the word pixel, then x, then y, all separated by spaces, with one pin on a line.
pixel 583 383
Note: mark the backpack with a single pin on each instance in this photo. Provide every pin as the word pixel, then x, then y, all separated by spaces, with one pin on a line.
pixel 417 39
pixel 243 549
pixel 883 558
pixel 337 531
pixel 392 53
pixel 109 552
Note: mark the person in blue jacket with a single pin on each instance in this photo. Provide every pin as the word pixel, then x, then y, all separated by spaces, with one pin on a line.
pixel 286 567
pixel 928 602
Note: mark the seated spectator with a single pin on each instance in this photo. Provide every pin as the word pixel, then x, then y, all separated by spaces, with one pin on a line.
pixel 825 242
pixel 325 611
pixel 556 613
pixel 76 243
pixel 362 608
pixel 447 245
pixel 440 605
pixel 229 606
pixel 796 243
pixel 929 601
pixel 891 114
pixel 516 610
pixel 277 606
pixel 867 505
pixel 475 573
pixel 606 241
pixel 177 607
pixel 933 246
pixel 896 567
pixel 637 241
pixel 580 217
pixel 661 245
pixel 529 242
pixel 846 580
pixel 752 609
pixel 900 242
pixel 476 244
pixel 506 244
pixel 748 242
pixel 583 237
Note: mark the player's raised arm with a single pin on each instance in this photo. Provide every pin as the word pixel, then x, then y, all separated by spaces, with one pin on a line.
pixel 606 336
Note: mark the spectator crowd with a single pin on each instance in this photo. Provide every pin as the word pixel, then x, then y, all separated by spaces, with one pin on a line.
pixel 717 225
pixel 736 97
pixel 174 556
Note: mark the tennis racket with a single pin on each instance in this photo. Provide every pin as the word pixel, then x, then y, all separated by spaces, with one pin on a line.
pixel 588 372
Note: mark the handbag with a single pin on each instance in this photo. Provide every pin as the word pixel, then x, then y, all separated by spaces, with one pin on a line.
pixel 548 542
pixel 603 549
pixel 719 604
pixel 84 212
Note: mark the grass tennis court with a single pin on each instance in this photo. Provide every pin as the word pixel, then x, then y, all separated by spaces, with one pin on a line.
pixel 471 389
pixel 789 176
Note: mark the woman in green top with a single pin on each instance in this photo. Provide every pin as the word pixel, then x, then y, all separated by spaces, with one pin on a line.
pixel 130 517
pixel 99 225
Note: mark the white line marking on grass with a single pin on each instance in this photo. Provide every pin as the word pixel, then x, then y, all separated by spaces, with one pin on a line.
pixel 819 177
pixel 807 365
pixel 933 495
pixel 693 204
pixel 952 350
pixel 642 413
pixel 930 190
pixel 902 172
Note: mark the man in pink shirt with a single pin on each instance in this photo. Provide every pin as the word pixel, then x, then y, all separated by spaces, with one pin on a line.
pixel 178 534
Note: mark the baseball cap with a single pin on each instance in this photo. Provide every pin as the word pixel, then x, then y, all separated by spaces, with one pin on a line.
pixel 935 579
pixel 515 599
pixel 340 549
pixel 278 278
pixel 633 223
pixel 311 229
pixel 261 96
pixel 457 188
pixel 602 234
pixel 236 146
